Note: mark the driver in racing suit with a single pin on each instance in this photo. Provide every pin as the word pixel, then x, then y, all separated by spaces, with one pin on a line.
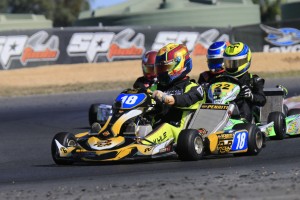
pixel 149 76
pixel 176 94
pixel 237 61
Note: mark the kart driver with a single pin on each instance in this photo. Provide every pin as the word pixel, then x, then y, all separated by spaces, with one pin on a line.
pixel 214 61
pixel 175 93
pixel 149 76
pixel 237 61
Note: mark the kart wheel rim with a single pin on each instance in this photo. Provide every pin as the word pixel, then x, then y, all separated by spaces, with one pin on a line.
pixel 198 143
pixel 71 143
pixel 259 140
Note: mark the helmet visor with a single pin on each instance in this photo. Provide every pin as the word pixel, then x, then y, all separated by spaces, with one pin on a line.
pixel 148 69
pixel 215 63
pixel 234 64
pixel 165 66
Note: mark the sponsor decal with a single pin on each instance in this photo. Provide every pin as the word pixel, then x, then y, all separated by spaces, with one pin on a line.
pixel 160 138
pixel 200 90
pixel 106 133
pixel 196 42
pixel 214 106
pixel 202 131
pixel 148 149
pixel 123 45
pixel 166 149
pixel 283 40
pixel 63 149
pixel 38 47
pixel 224 146
pixel 103 143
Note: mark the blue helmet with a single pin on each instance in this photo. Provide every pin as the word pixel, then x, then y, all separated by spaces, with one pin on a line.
pixel 215 56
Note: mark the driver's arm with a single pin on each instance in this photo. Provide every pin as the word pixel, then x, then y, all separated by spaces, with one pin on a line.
pixel 259 97
pixel 187 99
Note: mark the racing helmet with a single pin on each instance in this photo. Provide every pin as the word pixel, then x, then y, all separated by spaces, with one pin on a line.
pixel 237 59
pixel 172 63
pixel 215 57
pixel 148 62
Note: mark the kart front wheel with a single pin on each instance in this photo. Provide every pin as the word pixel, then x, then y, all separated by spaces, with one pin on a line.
pixel 190 145
pixel 279 124
pixel 256 138
pixel 65 139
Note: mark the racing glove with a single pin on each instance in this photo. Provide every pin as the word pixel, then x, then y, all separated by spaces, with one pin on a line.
pixel 246 93
pixel 163 97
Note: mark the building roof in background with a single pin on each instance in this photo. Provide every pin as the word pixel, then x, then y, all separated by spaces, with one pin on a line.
pixel 23 21
pixel 208 13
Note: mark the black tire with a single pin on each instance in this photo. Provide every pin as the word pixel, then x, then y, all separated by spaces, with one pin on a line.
pixel 256 138
pixel 279 124
pixel 294 111
pixel 285 110
pixel 93 113
pixel 190 145
pixel 66 139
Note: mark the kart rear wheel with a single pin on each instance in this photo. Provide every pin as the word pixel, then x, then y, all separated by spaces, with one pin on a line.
pixel 256 138
pixel 190 145
pixel 93 110
pixel 279 124
pixel 294 111
pixel 285 110
pixel 66 139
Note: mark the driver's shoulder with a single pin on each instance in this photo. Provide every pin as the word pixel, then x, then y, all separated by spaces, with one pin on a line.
pixel 256 78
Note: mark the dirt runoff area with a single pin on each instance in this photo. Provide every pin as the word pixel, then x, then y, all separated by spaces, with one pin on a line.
pixel 119 75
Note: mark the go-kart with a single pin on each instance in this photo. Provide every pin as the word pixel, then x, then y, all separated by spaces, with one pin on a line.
pixel 225 90
pixel 275 102
pixel 123 136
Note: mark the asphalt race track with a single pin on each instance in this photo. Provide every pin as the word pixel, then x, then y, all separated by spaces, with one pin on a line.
pixel 28 124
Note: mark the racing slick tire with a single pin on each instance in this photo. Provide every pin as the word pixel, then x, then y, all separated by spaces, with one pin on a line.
pixel 294 111
pixel 93 113
pixel 66 139
pixel 279 124
pixel 285 110
pixel 190 145
pixel 256 139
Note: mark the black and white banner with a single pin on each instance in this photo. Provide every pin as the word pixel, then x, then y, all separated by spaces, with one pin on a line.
pixel 20 49
pixel 93 44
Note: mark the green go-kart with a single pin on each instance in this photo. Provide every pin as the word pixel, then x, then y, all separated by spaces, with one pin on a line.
pixel 226 89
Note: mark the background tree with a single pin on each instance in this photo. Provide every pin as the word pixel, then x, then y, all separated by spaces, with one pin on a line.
pixel 269 9
pixel 61 12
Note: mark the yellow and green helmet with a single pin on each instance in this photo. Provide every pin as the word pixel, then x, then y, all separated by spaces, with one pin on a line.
pixel 237 59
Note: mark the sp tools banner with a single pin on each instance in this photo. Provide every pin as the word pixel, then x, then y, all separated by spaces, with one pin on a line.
pixel 19 49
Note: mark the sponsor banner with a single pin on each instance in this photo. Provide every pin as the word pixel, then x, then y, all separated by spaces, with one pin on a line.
pixel 31 48
pixel 19 49
pixel 281 37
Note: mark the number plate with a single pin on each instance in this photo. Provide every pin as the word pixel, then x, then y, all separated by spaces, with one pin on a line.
pixel 240 141
pixel 130 101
